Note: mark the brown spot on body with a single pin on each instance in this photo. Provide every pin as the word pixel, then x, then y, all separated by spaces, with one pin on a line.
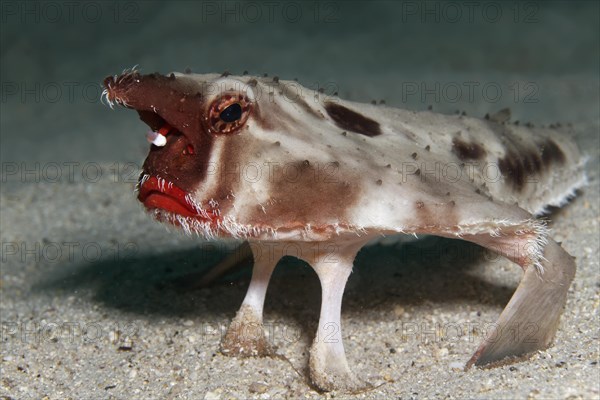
pixel 513 169
pixel 522 161
pixel 467 151
pixel 303 194
pixel 352 121
pixel 532 161
pixel 551 153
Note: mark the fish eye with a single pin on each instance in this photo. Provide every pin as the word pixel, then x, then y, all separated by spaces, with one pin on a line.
pixel 228 113
pixel 232 113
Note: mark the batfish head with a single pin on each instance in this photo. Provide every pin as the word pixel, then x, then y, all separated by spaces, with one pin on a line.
pixel 241 156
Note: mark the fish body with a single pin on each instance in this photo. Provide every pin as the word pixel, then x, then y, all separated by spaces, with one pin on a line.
pixel 285 167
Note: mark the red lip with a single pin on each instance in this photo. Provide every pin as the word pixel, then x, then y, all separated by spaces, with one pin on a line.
pixel 164 195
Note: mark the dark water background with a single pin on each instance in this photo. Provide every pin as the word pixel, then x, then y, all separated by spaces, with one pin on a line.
pixel 473 56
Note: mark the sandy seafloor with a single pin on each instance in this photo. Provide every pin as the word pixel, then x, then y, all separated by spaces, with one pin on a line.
pixel 91 306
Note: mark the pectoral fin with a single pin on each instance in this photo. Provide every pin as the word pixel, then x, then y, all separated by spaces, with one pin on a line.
pixel 530 320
